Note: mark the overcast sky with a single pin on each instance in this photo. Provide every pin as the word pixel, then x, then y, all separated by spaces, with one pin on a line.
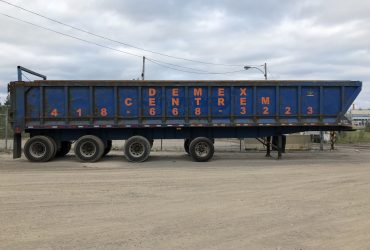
pixel 315 39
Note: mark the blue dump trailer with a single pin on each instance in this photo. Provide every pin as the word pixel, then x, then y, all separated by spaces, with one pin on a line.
pixel 91 114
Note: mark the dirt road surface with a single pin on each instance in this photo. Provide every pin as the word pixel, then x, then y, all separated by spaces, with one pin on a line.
pixel 308 200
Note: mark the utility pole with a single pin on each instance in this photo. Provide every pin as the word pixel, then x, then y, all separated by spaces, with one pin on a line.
pixel 6 128
pixel 264 72
pixel 143 71
pixel 143 78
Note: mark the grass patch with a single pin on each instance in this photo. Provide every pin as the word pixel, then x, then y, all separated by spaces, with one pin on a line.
pixel 359 136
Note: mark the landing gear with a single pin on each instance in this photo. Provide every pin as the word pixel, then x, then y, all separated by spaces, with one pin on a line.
pixel 268 146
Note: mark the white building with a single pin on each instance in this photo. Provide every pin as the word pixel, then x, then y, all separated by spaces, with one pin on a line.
pixel 359 117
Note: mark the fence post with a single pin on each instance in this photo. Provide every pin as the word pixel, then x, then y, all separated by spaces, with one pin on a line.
pixel 6 128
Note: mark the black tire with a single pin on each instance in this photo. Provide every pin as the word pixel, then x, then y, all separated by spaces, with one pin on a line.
pixel 89 148
pixel 107 148
pixel 137 149
pixel 201 149
pixel 187 145
pixel 39 149
pixel 65 147
pixel 55 147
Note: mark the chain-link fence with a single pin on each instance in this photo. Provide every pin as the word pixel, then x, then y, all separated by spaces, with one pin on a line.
pixel 5 129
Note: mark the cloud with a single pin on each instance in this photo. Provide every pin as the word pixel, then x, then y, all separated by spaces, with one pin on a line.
pixel 298 39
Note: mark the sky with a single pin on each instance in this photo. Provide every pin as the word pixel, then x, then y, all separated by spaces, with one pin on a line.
pixel 299 40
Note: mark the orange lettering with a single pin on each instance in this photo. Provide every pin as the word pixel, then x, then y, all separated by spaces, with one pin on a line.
pixel 175 92
pixel 54 112
pixel 152 92
pixel 265 100
pixel 221 102
pixel 309 110
pixel 243 101
pixel 197 100
pixel 243 110
pixel 175 101
pixel 128 102
pixel 151 101
pixel 221 92
pixel 152 111
pixel 265 110
pixel 288 110
pixel 198 111
pixel 103 112
pixel 175 111
pixel 79 112
pixel 198 92
pixel 243 91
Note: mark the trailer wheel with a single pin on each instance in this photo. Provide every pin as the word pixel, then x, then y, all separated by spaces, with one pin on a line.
pixel 39 149
pixel 108 147
pixel 55 147
pixel 89 148
pixel 201 149
pixel 64 149
pixel 187 145
pixel 137 149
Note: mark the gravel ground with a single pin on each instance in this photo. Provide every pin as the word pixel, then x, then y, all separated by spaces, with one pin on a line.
pixel 308 200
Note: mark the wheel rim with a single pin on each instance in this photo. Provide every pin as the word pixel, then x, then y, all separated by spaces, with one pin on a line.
pixel 88 149
pixel 38 149
pixel 137 149
pixel 202 149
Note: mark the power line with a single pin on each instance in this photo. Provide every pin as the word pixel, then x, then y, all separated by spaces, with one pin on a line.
pixel 64 34
pixel 194 72
pixel 116 41
pixel 161 63
pixel 175 65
